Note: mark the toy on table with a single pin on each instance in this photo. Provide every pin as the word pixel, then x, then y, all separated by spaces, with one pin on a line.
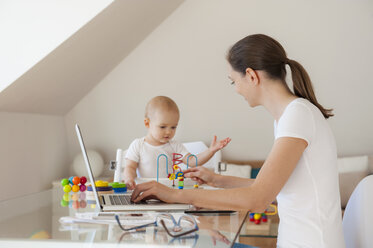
pixel 118 187
pixel 196 184
pixel 102 187
pixel 77 184
pixel 74 184
pixel 159 156
pixel 176 159
pixel 178 176
pixel 258 217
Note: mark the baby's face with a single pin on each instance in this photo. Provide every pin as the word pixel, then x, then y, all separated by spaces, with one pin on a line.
pixel 162 126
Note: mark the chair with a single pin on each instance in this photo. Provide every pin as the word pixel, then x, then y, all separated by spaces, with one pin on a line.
pixel 358 216
pixel 118 165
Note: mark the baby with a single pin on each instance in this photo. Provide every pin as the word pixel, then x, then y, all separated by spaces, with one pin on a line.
pixel 161 120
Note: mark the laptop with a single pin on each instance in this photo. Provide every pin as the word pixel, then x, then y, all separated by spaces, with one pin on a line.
pixel 122 202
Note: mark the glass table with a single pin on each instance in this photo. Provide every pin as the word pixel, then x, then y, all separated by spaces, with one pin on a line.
pixel 260 235
pixel 35 220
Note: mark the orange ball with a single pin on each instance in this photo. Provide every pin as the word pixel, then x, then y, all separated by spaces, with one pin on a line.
pixel 75 188
pixel 76 180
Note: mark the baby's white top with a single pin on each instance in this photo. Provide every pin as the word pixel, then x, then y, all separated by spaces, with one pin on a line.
pixel 146 156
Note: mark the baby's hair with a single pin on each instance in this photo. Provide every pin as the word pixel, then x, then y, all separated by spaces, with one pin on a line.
pixel 160 103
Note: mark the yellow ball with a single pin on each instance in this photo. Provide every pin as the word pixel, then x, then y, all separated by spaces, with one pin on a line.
pixel 67 188
pixel 176 167
pixel 195 186
pixel 257 216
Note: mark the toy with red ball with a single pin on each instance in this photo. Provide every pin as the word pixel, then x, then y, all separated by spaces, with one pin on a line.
pixel 83 180
pixel 74 184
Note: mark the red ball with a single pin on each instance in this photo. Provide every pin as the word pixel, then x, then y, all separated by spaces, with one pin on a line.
pixel 257 221
pixel 83 180
pixel 264 219
pixel 76 180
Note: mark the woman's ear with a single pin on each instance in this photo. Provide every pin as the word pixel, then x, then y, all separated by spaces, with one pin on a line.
pixel 146 122
pixel 252 76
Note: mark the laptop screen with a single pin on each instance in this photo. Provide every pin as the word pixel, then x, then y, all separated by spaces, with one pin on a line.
pixel 88 165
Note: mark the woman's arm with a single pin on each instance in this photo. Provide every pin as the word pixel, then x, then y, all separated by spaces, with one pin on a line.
pixel 273 175
pixel 203 175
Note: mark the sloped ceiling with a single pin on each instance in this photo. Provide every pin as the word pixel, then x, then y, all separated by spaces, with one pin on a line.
pixel 61 79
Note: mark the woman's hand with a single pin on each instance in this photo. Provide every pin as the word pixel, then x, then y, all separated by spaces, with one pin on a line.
pixel 218 145
pixel 153 190
pixel 202 175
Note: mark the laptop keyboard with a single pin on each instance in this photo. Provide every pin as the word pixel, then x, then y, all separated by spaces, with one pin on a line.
pixel 120 199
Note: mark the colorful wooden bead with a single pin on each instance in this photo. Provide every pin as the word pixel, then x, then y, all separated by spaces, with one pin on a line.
pixel 67 188
pixel 83 180
pixel 64 181
pixel 76 180
pixel 75 188
pixel 257 216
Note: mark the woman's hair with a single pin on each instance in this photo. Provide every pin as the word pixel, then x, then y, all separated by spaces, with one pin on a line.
pixel 261 52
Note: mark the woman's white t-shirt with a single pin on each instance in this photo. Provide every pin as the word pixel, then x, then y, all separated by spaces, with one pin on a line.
pixel 309 204
pixel 146 156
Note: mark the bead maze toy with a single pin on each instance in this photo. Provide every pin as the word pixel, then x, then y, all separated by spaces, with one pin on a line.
pixel 175 175
pixel 258 217
pixel 196 184
pixel 259 222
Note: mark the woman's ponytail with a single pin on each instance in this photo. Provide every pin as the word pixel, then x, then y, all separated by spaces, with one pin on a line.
pixel 261 52
pixel 303 86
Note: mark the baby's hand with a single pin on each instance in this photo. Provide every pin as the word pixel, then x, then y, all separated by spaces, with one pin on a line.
pixel 218 145
pixel 130 184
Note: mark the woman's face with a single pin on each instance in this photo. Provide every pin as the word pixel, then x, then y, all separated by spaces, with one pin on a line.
pixel 243 86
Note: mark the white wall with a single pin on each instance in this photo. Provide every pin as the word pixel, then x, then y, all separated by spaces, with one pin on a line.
pixel 33 153
pixel 32 29
pixel 184 58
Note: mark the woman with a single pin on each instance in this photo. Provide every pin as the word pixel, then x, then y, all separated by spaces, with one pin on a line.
pixel 301 169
